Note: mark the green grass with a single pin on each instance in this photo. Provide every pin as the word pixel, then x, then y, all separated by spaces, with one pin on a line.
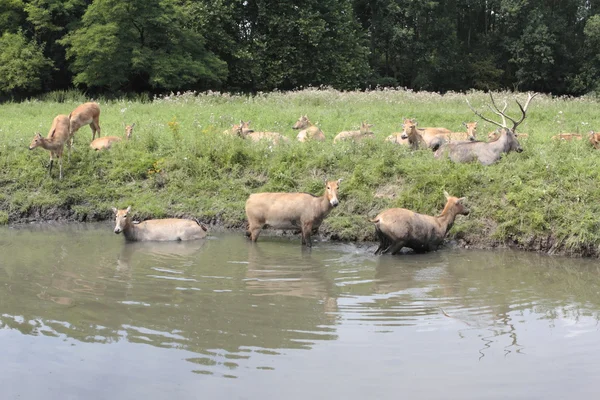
pixel 180 164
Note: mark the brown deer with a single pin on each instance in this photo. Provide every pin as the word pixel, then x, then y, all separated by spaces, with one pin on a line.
pixel 433 137
pixel 85 114
pixel 567 137
pixel 494 135
pixel 398 227
pixel 470 134
pixel 363 133
pixel 245 132
pixel 488 153
pixel 302 211
pixel 594 139
pixel 169 229
pixel 55 142
pixel 309 131
pixel 104 143
pixel 239 129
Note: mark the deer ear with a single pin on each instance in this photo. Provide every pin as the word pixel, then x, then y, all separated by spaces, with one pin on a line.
pixel 128 209
pixel 340 181
pixel 132 125
pixel 115 210
pixel 446 194
pixel 462 199
pixel 52 134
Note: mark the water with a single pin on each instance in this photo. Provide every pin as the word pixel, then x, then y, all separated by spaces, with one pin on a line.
pixel 84 315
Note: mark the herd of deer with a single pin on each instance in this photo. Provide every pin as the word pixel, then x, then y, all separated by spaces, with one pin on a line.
pixel 395 227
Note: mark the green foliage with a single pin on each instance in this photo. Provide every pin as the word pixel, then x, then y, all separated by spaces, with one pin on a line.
pixel 23 66
pixel 144 43
pixel 3 218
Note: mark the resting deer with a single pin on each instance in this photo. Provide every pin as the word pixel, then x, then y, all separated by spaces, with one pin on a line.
pixel 84 114
pixel 488 152
pixel 363 133
pixel 104 143
pixel 594 139
pixel 432 138
pixel 567 137
pixel 238 129
pixel 309 131
pixel 55 141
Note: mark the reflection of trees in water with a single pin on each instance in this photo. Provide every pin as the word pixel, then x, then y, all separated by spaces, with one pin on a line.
pixel 189 297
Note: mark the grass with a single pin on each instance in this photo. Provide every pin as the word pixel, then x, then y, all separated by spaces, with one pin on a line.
pixel 179 163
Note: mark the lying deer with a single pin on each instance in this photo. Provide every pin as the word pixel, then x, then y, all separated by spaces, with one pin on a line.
pixel 364 132
pixel 494 135
pixel 239 129
pixel 309 131
pixel 55 142
pixel 567 137
pixel 290 211
pixel 594 139
pixel 433 137
pixel 398 227
pixel 169 229
pixel 244 131
pixel 488 153
pixel 104 143
pixel 84 114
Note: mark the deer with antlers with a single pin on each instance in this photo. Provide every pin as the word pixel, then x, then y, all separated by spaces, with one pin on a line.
pixel 488 152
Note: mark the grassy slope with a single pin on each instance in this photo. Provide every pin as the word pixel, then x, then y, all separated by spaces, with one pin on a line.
pixel 179 164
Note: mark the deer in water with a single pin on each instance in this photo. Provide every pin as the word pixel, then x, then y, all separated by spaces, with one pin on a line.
pixel 104 143
pixel 55 142
pixel 84 114
pixel 364 132
pixel 302 211
pixel 488 152
pixel 168 229
pixel 398 227
pixel 309 131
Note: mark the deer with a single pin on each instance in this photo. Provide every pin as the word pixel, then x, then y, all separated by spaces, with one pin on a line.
pixel 244 131
pixel 58 135
pixel 85 114
pixel 470 134
pixel 488 153
pixel 309 131
pixel 168 229
pixel 364 132
pixel 239 129
pixel 594 139
pixel 567 137
pixel 494 135
pixel 295 211
pixel 104 143
pixel 398 227
pixel 432 137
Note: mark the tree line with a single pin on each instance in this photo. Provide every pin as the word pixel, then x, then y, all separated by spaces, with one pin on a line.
pixel 121 46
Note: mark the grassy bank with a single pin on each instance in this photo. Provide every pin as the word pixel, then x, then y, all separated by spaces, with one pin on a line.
pixel 179 164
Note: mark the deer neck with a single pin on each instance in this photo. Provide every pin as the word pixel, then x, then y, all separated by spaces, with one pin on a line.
pixel 130 230
pixel 446 218
pixel 324 204
pixel 51 144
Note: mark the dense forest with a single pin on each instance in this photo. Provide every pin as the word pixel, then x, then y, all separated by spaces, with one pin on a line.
pixel 122 46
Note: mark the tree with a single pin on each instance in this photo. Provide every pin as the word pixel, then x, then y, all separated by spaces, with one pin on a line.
pixel 23 67
pixel 140 45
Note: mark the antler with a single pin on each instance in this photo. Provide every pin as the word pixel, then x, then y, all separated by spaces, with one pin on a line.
pixel 523 109
pixel 502 113
pixel 486 119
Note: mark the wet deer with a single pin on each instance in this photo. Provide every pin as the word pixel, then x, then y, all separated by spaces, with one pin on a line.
pixel 105 143
pixel 85 114
pixel 398 227
pixel 309 131
pixel 168 229
pixel 296 211
pixel 58 136
pixel 488 153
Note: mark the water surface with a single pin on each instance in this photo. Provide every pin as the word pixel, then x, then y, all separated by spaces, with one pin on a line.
pixel 85 315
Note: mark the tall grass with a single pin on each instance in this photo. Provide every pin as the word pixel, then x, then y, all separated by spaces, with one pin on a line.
pixel 179 163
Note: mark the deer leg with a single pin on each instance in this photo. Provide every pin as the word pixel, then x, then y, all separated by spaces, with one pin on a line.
pixel 50 166
pixel 96 127
pixel 395 248
pixel 254 232
pixel 60 167
pixel 306 231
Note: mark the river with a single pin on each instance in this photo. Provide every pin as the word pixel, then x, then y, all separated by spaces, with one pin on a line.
pixel 85 315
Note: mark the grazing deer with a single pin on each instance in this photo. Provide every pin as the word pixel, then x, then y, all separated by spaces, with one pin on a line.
pixel 55 141
pixel 432 137
pixel 302 211
pixel 309 131
pixel 363 133
pixel 169 229
pixel 594 139
pixel 488 152
pixel 398 227
pixel 567 137
pixel 104 143
pixel 84 114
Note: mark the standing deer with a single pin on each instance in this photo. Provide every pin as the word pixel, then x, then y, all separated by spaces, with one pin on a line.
pixel 363 133
pixel 168 229
pixel 104 143
pixel 309 131
pixel 302 211
pixel 398 227
pixel 55 141
pixel 488 152
pixel 84 114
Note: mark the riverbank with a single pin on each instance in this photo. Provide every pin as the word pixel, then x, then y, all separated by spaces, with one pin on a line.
pixel 179 163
